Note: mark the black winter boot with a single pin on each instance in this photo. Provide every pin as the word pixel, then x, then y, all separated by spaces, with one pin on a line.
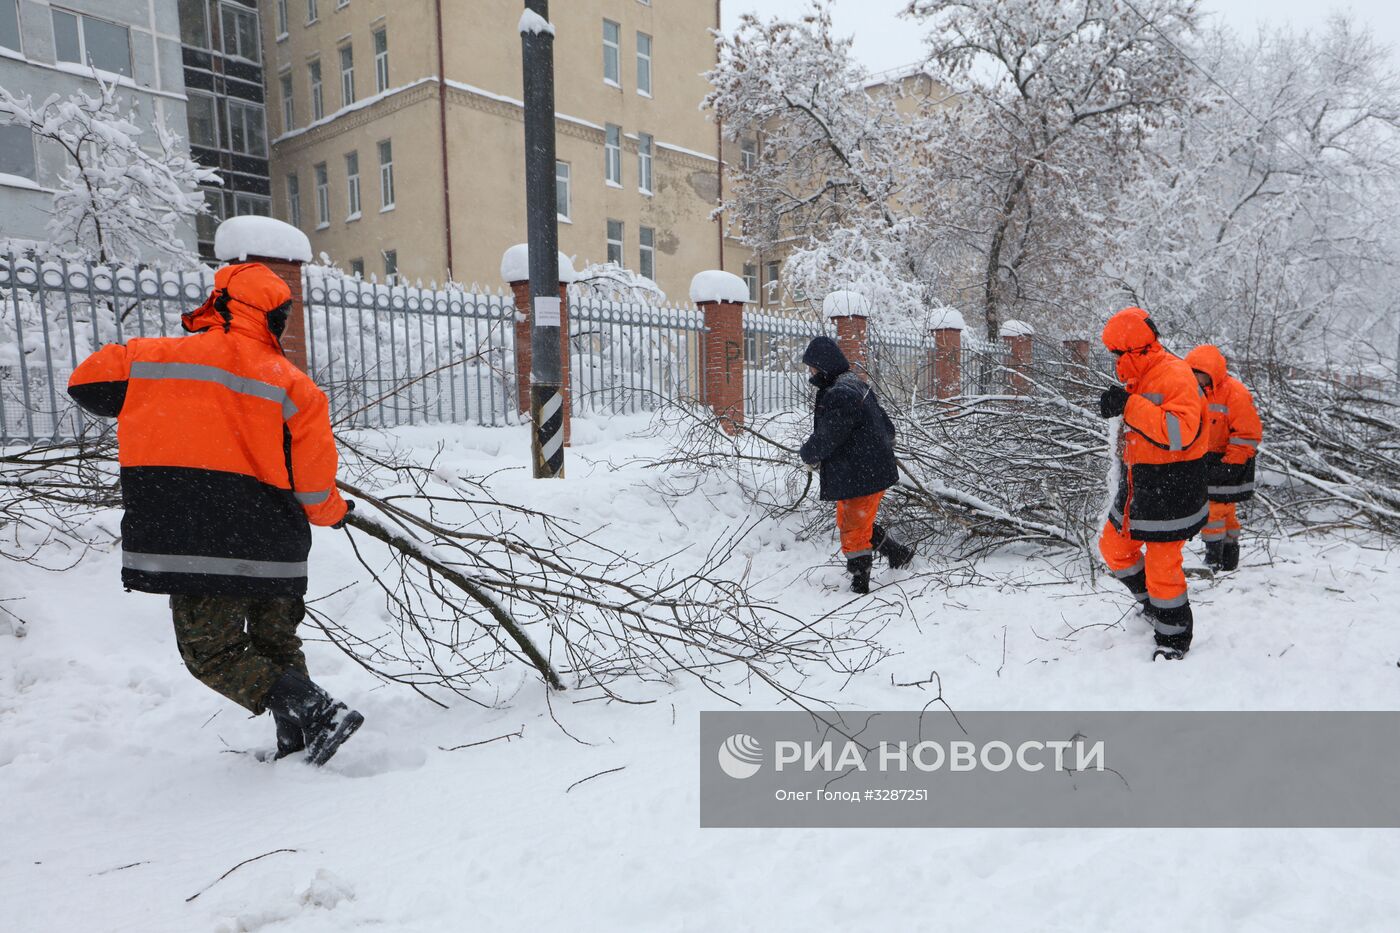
pixel 892 549
pixel 1173 629
pixel 1214 552
pixel 1230 556
pixel 290 738
pixel 325 722
pixel 859 568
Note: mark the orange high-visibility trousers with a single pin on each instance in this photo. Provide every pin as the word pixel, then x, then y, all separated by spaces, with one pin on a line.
pixel 1224 523
pixel 855 518
pixel 1166 582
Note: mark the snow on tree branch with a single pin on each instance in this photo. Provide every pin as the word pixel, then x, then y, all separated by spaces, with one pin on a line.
pixel 116 200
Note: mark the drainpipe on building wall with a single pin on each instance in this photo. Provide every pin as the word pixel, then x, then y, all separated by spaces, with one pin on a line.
pixel 719 150
pixel 442 124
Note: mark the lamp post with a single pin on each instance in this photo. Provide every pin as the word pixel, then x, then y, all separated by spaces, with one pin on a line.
pixel 542 233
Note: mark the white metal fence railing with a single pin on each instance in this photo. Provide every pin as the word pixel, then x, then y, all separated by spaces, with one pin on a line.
pixel 390 355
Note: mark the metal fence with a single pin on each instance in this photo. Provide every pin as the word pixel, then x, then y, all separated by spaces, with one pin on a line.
pixel 774 377
pixel 390 355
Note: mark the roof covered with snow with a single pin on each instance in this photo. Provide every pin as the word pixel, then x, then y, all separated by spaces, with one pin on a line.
pixel 515 265
pixel 240 237
pixel 845 304
pixel 1016 329
pixel 714 285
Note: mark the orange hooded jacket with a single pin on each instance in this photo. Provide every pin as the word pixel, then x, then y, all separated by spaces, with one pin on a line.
pixel 225 447
pixel 1162 492
pixel 1235 429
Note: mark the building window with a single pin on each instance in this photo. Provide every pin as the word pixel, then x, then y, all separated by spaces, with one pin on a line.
pixel 357 268
pixel 9 25
pixel 311 12
pixel 289 110
pixel 771 286
pixel 612 155
pixel 245 205
pixel 194 23
pixel 294 200
pixel 318 97
pixel 648 240
pixel 240 29
pixel 91 42
pixel 645 145
pixel 615 241
pixel 281 18
pixel 206 224
pixel 386 175
pixel 347 76
pixel 352 185
pixel 563 190
pixel 17 152
pixel 202 115
pixel 391 265
pixel 246 132
pixel 612 53
pixel 748 154
pixel 751 280
pixel 381 60
pixel 323 197
pixel 643 64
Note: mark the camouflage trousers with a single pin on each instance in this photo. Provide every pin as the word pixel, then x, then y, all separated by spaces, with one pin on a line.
pixel 238 645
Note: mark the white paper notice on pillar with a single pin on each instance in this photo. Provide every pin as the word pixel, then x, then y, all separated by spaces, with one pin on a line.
pixel 547 312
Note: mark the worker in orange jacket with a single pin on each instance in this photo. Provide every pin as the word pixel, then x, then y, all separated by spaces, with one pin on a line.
pixel 226 455
pixel 1234 435
pixel 1161 494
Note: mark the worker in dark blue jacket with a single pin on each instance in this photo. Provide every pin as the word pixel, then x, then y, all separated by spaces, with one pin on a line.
pixel 852 444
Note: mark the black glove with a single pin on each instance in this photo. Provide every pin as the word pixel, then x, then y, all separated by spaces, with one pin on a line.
pixel 1113 401
pixel 349 507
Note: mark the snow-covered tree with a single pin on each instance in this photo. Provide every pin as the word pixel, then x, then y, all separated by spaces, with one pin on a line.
pixel 116 200
pixel 1268 215
pixel 1003 194
pixel 609 281
pixel 842 178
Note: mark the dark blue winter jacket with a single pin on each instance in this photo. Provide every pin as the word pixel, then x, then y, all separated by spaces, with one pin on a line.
pixel 852 437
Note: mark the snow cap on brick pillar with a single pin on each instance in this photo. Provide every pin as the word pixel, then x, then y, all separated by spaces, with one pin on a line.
pixel 721 297
pixel 1017 337
pixel 282 248
pixel 515 270
pixel 851 313
pixel 945 363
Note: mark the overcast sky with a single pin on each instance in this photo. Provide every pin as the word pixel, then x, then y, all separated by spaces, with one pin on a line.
pixel 885 40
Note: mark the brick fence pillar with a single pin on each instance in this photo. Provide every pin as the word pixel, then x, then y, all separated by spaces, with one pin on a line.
pixel 850 312
pixel 282 248
pixel 515 269
pixel 1077 349
pixel 1016 336
pixel 944 364
pixel 720 296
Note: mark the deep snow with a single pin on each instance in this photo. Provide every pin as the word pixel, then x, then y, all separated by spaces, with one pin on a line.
pixel 118 801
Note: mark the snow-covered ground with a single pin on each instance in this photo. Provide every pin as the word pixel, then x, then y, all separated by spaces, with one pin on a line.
pixel 118 802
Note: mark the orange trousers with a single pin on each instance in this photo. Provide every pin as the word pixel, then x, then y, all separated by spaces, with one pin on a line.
pixel 855 518
pixel 1166 583
pixel 1224 523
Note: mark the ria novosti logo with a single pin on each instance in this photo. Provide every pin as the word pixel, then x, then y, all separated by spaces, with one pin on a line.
pixel 740 756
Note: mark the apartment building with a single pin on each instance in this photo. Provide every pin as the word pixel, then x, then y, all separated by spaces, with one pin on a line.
pixel 399 135
pixel 53 48
pixel 222 59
